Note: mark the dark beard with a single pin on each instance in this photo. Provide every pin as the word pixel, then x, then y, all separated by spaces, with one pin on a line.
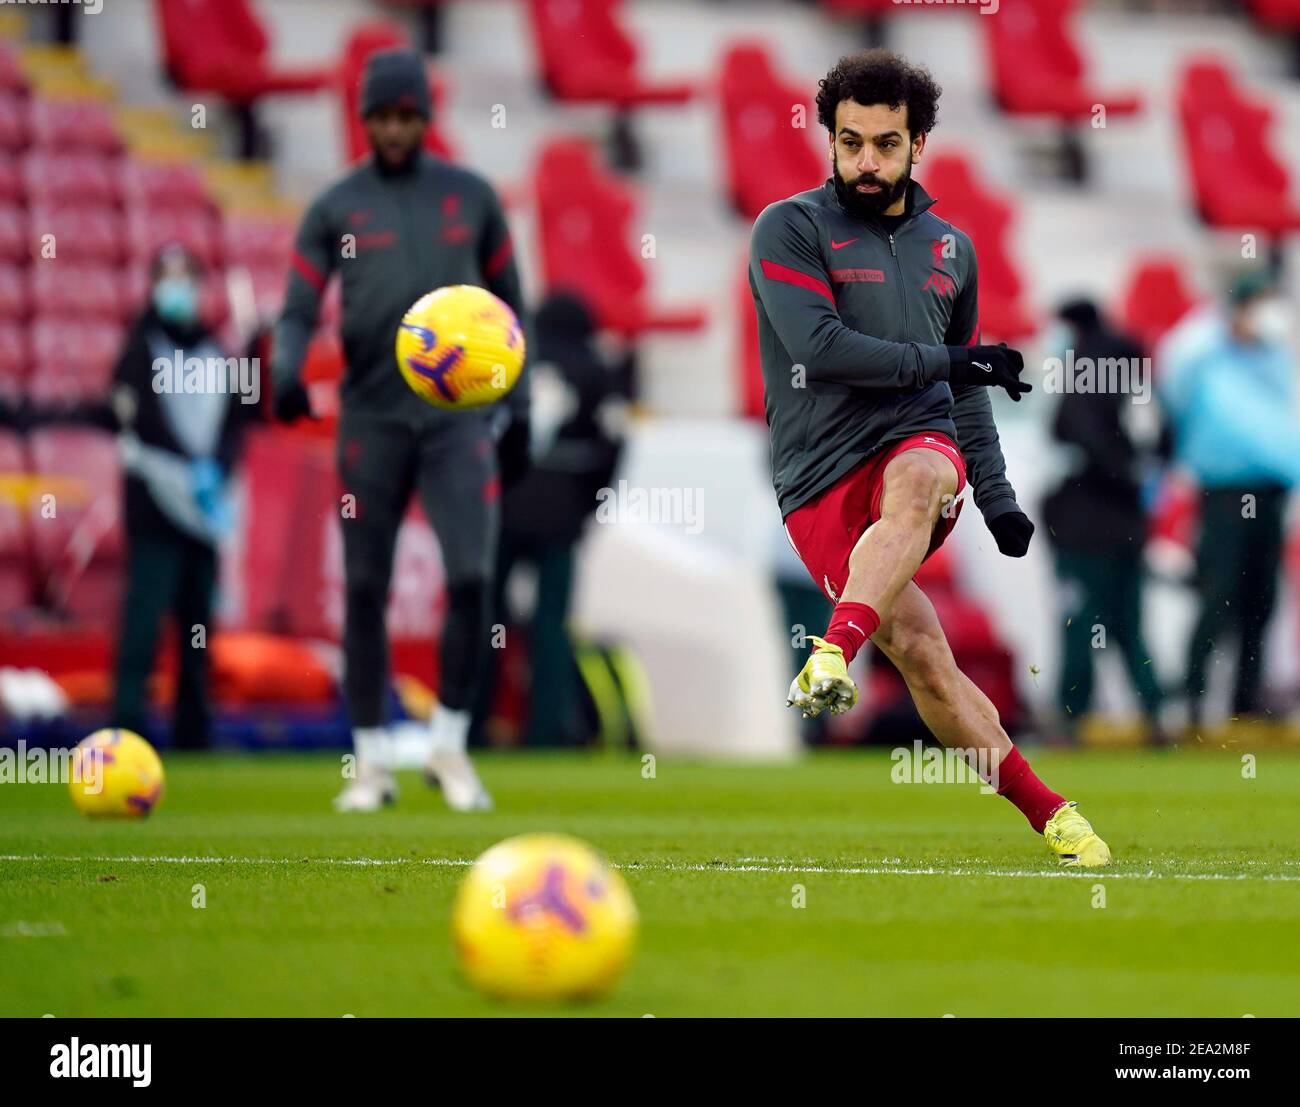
pixel 870 205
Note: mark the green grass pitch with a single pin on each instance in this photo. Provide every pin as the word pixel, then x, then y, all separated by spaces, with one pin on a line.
pixel 919 900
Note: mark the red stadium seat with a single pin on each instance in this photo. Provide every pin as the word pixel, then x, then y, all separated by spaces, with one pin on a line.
pixel 1038 69
pixel 1154 300
pixel 15 542
pixel 73 358
pixel 14 243
pixel 79 548
pixel 77 289
pixel 987 218
pixel 73 125
pixel 585 218
pixel 1281 15
pixel 364 41
pixel 83 233
pixel 11 70
pixel 161 184
pixel 151 228
pixel 11 179
pixel 257 239
pixel 587 57
pixel 15 291
pixel 82 177
pixel 14 124
pixel 220 46
pixel 1237 180
pixel 15 357
pixel 759 130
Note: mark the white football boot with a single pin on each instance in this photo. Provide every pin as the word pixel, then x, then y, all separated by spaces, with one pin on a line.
pixel 373 787
pixel 449 766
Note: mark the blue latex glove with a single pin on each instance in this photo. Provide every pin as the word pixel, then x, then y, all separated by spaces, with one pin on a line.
pixel 207 482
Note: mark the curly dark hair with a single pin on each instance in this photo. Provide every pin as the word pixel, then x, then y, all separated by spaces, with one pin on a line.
pixel 880 77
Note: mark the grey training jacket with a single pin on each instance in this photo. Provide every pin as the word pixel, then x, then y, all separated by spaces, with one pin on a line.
pixel 393 236
pixel 868 315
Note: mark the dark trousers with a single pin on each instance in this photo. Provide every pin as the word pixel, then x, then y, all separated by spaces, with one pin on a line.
pixel 555 707
pixel 1102 589
pixel 167 572
pixel 454 471
pixel 1237 561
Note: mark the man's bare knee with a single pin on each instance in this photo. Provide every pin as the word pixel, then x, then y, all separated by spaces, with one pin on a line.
pixel 914 489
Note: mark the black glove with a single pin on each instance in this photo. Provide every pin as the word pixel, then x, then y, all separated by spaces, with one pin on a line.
pixel 990 366
pixel 292 403
pixel 512 451
pixel 1012 532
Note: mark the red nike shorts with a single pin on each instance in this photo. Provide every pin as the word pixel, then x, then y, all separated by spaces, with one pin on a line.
pixel 824 531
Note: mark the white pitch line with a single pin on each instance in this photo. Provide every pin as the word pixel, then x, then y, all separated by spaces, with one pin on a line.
pixel 767 865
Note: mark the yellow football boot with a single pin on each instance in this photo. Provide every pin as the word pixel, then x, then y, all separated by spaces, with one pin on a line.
pixel 1070 836
pixel 823 682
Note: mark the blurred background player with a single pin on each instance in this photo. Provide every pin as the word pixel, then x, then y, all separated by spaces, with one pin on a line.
pixel 1097 524
pixel 1228 385
pixel 178 449
pixel 877 401
pixel 579 405
pixel 402 223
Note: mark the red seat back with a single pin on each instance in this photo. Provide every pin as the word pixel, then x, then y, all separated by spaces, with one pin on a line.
pixel 1226 135
pixel 1155 299
pixel 196 31
pixel 986 217
pixel 79 546
pixel 769 146
pixel 581 48
pixel 584 217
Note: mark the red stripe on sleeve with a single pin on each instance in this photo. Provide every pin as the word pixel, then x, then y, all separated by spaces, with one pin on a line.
pixel 499 257
pixel 774 272
pixel 308 272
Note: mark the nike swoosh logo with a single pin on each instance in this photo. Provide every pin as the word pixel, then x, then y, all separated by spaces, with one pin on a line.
pixel 847 242
pixel 856 627
pixel 981 365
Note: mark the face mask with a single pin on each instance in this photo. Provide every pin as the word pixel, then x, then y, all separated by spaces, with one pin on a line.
pixel 176 300
pixel 1270 321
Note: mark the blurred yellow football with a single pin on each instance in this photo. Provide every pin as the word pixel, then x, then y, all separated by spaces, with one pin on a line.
pixel 542 916
pixel 115 772
pixel 460 347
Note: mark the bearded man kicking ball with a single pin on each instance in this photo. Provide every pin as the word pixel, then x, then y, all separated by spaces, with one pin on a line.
pixel 877 401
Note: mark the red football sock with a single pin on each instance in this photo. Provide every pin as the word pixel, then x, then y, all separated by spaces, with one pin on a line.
pixel 1020 784
pixel 851 625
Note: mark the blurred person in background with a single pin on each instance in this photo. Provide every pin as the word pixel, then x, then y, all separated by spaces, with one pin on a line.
pixel 1097 523
pixel 398 225
pixel 1227 383
pixel 178 449
pixel 579 407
